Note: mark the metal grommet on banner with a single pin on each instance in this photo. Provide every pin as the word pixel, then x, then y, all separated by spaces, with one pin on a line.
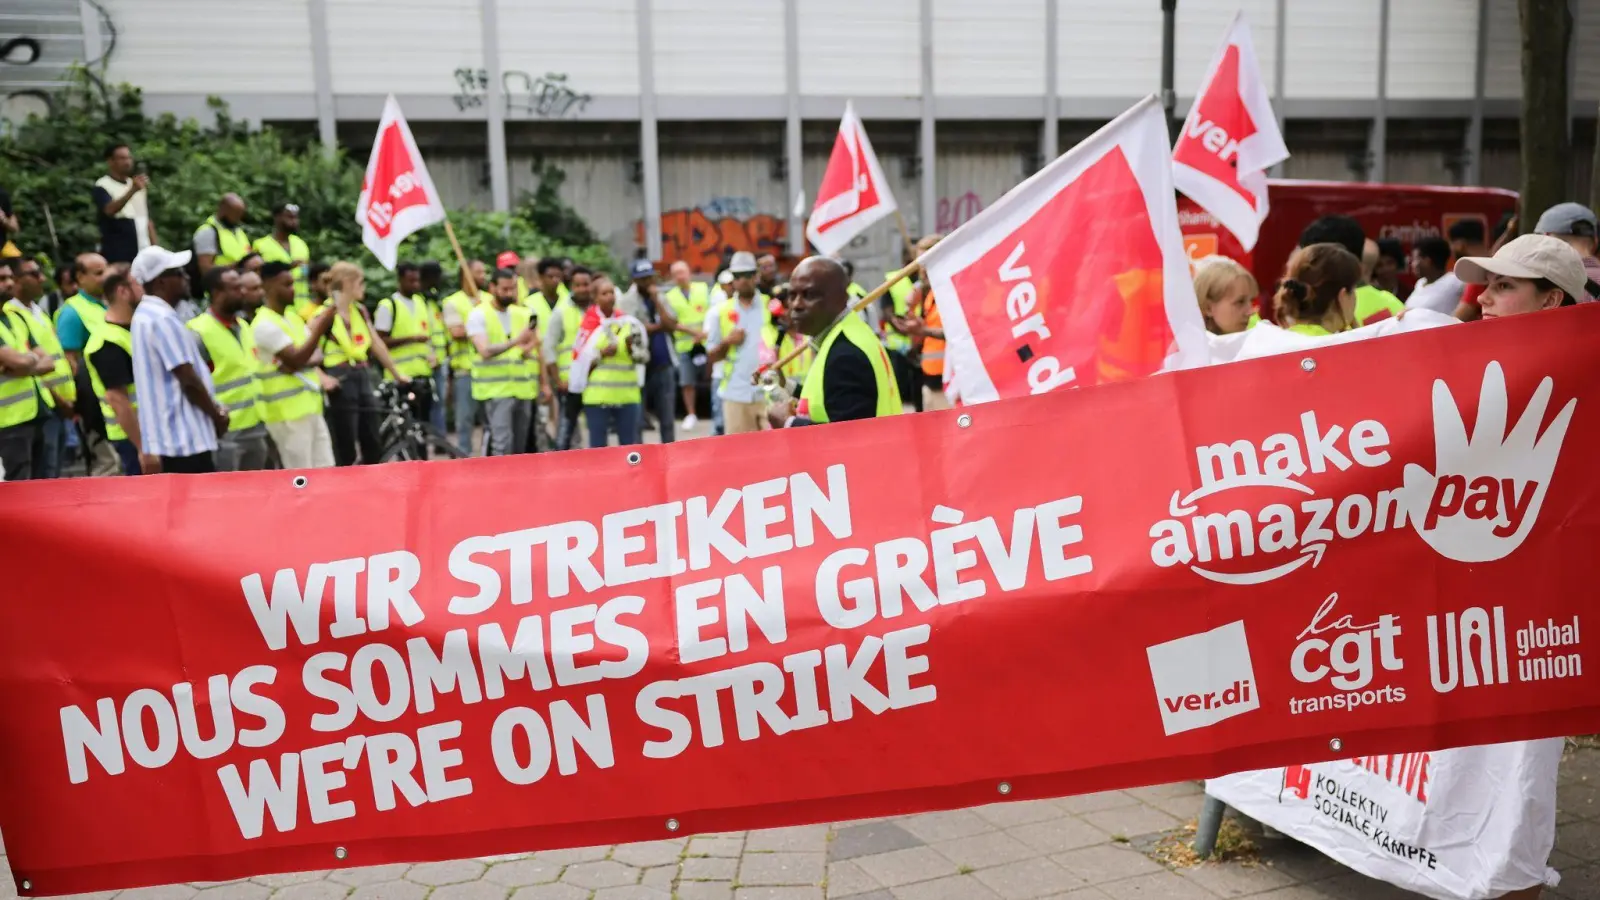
pixel 340 853
pixel 1336 745
pixel 634 458
pixel 27 885
pixel 963 421
pixel 1308 364
pixel 672 824
pixel 1005 787
pixel 301 481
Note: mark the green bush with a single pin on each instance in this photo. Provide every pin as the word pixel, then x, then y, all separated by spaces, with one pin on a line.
pixel 50 164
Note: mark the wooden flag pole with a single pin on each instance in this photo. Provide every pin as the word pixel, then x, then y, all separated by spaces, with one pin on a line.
pixel 905 233
pixel 861 303
pixel 467 282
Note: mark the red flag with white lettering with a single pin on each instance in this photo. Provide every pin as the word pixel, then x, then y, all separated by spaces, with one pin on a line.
pixel 397 196
pixel 1230 139
pixel 1075 277
pixel 853 194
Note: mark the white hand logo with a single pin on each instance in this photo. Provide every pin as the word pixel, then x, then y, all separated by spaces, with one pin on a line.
pixel 1484 496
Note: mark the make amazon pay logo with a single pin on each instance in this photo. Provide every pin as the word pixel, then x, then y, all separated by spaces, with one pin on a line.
pixel 1484 494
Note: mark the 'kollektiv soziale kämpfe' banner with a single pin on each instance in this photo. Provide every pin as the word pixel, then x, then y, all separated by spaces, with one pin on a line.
pixel 1389 550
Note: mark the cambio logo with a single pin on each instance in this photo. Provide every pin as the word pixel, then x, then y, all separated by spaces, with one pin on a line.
pixel 1485 494
pixel 1203 678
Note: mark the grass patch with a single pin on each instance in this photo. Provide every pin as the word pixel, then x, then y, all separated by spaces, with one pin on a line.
pixel 1233 845
pixel 964 869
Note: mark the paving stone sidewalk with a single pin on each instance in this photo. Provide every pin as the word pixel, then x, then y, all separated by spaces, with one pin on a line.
pixel 1083 848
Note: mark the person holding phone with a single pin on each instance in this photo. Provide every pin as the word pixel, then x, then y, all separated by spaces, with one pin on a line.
pixel 122 204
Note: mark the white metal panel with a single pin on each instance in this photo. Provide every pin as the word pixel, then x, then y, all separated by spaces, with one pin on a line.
pixel 595 43
pixel 719 47
pixel 402 46
pixel 970 179
pixel 1586 46
pixel 1109 49
pixel 1201 26
pixel 180 46
pixel 1503 72
pixel 879 54
pixel 988 48
pixel 1332 49
pixel 1433 47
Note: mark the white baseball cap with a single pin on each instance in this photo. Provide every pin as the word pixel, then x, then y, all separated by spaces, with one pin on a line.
pixel 1530 256
pixel 153 260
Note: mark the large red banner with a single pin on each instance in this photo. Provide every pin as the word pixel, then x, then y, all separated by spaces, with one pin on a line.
pixel 204 677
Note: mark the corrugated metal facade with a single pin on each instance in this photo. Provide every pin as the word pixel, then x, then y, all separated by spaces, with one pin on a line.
pixel 988 49
pixel 719 46
pixel 1332 49
pixel 834 61
pixel 1109 49
pixel 215 48
pixel 400 46
pixel 594 43
pixel 1202 22
pixel 1432 49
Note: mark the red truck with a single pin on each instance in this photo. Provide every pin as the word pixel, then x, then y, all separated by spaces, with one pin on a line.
pixel 1401 211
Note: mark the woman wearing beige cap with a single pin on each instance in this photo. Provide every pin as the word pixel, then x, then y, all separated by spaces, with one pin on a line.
pixel 1531 273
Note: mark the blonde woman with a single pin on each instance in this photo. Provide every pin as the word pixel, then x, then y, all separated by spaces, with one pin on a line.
pixel 352 418
pixel 1227 292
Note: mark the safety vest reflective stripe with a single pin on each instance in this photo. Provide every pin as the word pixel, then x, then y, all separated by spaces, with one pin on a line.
pixel 233 369
pixel 463 356
pixel 19 398
pixel 571 321
pixel 106 333
pixel 232 243
pixel 285 396
pixel 14 398
pixel 59 381
pixel 511 374
pixel 614 381
pixel 689 310
pixel 409 321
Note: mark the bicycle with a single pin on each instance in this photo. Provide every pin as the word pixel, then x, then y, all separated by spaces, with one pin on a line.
pixel 401 435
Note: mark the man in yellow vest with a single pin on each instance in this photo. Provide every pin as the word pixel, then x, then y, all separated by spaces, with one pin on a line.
pixel 505 376
pixel 20 397
pixel 850 377
pixel 560 337
pixel 612 398
pixel 284 245
pixel 220 240
pixel 229 349
pixel 453 313
pixel 405 325
pixel 431 275
pixel 287 355
pixel 59 391
pixel 690 300
pixel 738 336
pixel 108 358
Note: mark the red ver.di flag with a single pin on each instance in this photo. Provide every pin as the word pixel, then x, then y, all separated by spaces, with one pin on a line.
pixel 853 194
pixel 1075 277
pixel 1230 140
pixel 397 196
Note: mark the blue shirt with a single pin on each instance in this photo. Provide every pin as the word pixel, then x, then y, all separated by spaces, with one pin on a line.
pixel 70 329
pixel 168 423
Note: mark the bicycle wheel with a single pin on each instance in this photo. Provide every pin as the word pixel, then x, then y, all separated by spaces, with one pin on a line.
pixel 437 445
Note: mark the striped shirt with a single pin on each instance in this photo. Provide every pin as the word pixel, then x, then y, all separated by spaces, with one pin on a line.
pixel 169 424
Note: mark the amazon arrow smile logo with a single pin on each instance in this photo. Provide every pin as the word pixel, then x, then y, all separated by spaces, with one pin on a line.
pixel 1261 543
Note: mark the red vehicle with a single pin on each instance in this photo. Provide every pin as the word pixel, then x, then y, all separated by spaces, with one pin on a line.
pixel 1401 211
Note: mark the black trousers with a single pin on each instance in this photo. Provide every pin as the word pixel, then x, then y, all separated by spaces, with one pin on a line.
pixel 571 412
pixel 353 416
pixel 198 464
pixel 16 450
pixel 421 390
pixel 910 387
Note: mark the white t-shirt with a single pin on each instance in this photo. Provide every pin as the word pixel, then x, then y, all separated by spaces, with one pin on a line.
pixel 478 326
pixel 271 339
pixel 1440 296
pixel 137 208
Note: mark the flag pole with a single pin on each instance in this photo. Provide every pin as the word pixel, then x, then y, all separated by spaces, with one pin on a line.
pixel 905 233
pixel 467 282
pixel 861 303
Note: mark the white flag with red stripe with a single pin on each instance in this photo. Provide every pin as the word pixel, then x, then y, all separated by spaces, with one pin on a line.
pixel 397 196
pixel 1075 277
pixel 853 194
pixel 1230 139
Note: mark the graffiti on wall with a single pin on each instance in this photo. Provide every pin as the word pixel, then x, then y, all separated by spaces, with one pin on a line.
pixel 704 235
pixel 547 97
pixel 17 105
pixel 953 212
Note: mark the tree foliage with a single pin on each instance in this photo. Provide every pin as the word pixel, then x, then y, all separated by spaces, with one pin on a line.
pixel 50 164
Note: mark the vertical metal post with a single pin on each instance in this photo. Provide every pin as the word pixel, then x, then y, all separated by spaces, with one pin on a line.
pixel 1280 68
pixel 926 149
pixel 649 140
pixel 1379 145
pixel 93 42
pixel 1050 145
pixel 791 149
pixel 495 104
pixel 322 76
pixel 1169 41
pixel 1474 148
